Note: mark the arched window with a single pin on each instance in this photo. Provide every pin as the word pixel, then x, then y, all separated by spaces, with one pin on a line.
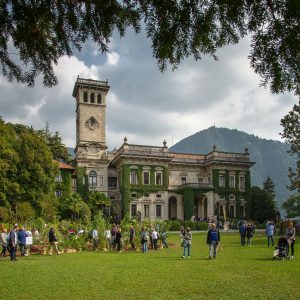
pixel 92 98
pixel 92 178
pixel 99 98
pixel 85 97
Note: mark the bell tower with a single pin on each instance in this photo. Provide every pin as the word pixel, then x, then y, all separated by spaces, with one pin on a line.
pixel 91 146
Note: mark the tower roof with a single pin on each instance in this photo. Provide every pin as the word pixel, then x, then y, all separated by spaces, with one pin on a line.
pixel 90 84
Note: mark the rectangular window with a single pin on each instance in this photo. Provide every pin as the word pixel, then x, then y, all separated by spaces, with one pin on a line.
pixel 183 180
pixel 58 194
pixel 200 181
pixel 133 195
pixel 133 210
pixel 133 177
pixel 158 211
pixel 58 177
pixel 232 181
pixel 242 183
pixel 209 180
pixel 158 196
pixel 101 181
pixel 146 211
pixel 74 181
pixel 83 180
pixel 231 211
pixel 221 181
pixel 158 178
pixel 242 211
pixel 92 181
pixel 112 182
pixel 146 177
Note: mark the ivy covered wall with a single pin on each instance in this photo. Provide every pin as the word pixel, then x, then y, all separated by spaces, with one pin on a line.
pixel 65 184
pixel 141 189
pixel 226 191
pixel 82 182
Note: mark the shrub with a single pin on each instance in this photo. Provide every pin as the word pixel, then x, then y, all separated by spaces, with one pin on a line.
pixel 174 226
pixel 190 224
pixel 201 226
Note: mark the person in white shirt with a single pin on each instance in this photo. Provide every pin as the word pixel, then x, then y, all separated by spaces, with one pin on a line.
pixel 95 239
pixel 107 235
pixel 154 235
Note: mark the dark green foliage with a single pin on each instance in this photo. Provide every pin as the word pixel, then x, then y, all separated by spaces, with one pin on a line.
pixel 292 206
pixel 98 202
pixel 269 187
pixel 54 142
pixel 270 156
pixel 27 171
pixel 262 206
pixel 188 204
pixel 82 182
pixel 42 32
pixel 291 130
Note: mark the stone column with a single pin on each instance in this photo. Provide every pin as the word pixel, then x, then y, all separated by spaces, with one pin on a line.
pixel 180 211
pixel 210 204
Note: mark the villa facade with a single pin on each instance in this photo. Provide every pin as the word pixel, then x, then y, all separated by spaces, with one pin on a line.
pixel 153 182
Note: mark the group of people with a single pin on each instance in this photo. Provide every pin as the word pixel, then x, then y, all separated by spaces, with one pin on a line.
pixel 114 238
pixel 246 232
pixel 213 240
pixel 10 241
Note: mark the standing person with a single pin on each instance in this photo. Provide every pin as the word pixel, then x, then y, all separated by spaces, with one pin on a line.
pixel 132 237
pixel 290 233
pixel 164 238
pixel 53 241
pixel 22 241
pixel 187 243
pixel 144 239
pixel 108 238
pixel 95 239
pixel 113 236
pixel 242 231
pixel 154 238
pixel 182 235
pixel 3 242
pixel 119 239
pixel 270 233
pixel 249 233
pixel 213 239
pixel 12 242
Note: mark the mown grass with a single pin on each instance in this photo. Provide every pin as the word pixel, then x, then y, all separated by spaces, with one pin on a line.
pixel 237 273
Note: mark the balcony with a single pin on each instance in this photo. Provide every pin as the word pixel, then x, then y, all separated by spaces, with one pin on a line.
pixel 195 186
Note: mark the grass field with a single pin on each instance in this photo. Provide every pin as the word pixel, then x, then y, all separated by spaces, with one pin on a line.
pixel 237 273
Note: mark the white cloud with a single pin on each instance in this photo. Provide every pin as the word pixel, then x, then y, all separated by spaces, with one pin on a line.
pixel 33 110
pixel 112 58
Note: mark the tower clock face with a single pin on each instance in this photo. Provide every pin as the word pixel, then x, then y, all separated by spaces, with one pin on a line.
pixel 92 123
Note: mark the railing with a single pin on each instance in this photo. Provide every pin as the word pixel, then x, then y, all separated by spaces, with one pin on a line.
pixel 195 185
pixel 92 82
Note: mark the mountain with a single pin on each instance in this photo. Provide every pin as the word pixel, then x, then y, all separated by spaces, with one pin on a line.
pixel 270 156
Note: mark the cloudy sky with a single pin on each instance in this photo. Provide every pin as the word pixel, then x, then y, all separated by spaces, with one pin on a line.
pixel 146 105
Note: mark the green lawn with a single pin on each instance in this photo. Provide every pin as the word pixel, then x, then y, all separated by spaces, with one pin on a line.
pixel 237 273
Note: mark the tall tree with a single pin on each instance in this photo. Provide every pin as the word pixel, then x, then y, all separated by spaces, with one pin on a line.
pixel 291 134
pixel 269 187
pixel 292 206
pixel 43 31
pixel 262 205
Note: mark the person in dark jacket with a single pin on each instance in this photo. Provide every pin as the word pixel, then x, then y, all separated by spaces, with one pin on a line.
pixel 12 243
pixel 242 231
pixel 53 241
pixel 213 238
pixel 119 239
pixel 22 241
pixel 249 233
pixel 132 237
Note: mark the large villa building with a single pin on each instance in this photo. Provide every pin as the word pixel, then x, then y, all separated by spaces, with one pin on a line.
pixel 154 182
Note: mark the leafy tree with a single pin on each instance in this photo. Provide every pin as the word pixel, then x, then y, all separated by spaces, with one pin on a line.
pixel 98 201
pixel 43 31
pixel 269 187
pixel 54 142
pixel 292 206
pixel 291 134
pixel 24 212
pixel 262 205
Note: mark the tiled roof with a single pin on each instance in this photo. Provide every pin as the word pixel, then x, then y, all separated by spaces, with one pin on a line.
pixel 62 165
